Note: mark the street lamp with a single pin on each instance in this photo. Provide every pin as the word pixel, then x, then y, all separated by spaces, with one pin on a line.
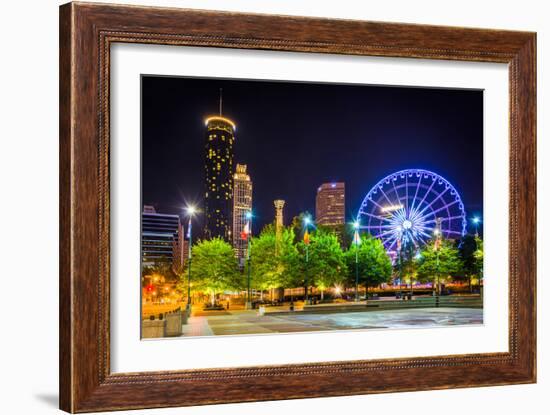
pixel 248 216
pixel 437 243
pixel 190 210
pixel 476 220
pixel 356 241
pixel 307 222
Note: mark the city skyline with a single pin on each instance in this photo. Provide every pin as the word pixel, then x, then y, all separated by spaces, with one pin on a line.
pixel 256 145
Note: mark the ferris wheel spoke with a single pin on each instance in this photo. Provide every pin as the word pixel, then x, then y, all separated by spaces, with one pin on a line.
pixel 435 200
pixel 426 194
pixel 422 227
pixel 407 193
pixel 375 203
pixel 375 216
pixel 396 193
pixel 389 232
pixel 377 226
pixel 422 240
pixel 424 234
pixel 448 218
pixel 433 212
pixel 393 242
pixel 416 192
pixel 386 196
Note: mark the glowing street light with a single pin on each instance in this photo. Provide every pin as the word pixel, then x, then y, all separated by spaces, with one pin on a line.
pixel 247 232
pixel 437 246
pixel 191 211
pixel 357 241
pixel 307 222
pixel 476 221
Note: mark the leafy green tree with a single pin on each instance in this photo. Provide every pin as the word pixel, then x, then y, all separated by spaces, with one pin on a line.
pixel 325 266
pixel 272 259
pixel 214 268
pixel 478 255
pixel 297 226
pixel 471 266
pixel 265 266
pixel 373 264
pixel 435 264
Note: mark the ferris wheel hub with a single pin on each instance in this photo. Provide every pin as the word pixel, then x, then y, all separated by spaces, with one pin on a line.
pixel 407 224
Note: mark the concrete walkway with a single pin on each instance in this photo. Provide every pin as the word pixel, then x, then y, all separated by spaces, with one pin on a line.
pixel 249 322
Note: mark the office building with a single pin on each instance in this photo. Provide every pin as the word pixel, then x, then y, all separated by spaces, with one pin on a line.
pixel 218 197
pixel 159 231
pixel 330 204
pixel 242 204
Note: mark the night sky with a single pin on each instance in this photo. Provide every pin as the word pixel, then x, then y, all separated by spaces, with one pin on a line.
pixel 296 136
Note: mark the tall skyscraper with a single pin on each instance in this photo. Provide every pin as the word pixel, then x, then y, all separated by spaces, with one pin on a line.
pixel 218 198
pixel 242 203
pixel 159 232
pixel 279 220
pixel 330 204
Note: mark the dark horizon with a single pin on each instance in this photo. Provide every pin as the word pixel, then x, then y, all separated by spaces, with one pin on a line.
pixel 295 136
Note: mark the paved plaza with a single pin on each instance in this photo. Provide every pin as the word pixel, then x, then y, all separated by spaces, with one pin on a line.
pixel 249 322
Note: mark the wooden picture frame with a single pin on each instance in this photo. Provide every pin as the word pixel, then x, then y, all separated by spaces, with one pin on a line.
pixel 86 33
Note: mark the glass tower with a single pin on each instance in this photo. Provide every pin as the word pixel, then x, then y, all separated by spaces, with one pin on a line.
pixel 218 197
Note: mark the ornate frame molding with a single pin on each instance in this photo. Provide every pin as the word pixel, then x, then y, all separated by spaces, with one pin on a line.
pixel 86 34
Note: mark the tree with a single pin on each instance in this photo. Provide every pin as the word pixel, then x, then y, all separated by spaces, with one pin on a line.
pixel 265 267
pixel 478 255
pixel 326 265
pixel 272 259
pixel 469 251
pixel 297 226
pixel 214 268
pixel 407 263
pixel 373 264
pixel 435 264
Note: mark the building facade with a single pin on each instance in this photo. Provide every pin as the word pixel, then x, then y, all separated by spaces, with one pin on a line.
pixel 218 197
pixel 180 250
pixel 159 233
pixel 242 203
pixel 330 204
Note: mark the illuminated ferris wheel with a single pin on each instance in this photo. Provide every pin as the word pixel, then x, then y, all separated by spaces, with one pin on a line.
pixel 407 206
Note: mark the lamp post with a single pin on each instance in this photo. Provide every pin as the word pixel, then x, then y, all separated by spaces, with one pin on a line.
pixel 356 240
pixel 399 266
pixel 476 220
pixel 190 212
pixel 248 217
pixel 437 233
pixel 307 221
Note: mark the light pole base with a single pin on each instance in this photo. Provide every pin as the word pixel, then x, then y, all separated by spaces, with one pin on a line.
pixel 248 305
pixel 188 308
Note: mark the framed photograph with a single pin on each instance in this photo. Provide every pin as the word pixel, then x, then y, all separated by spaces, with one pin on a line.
pixel 261 207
